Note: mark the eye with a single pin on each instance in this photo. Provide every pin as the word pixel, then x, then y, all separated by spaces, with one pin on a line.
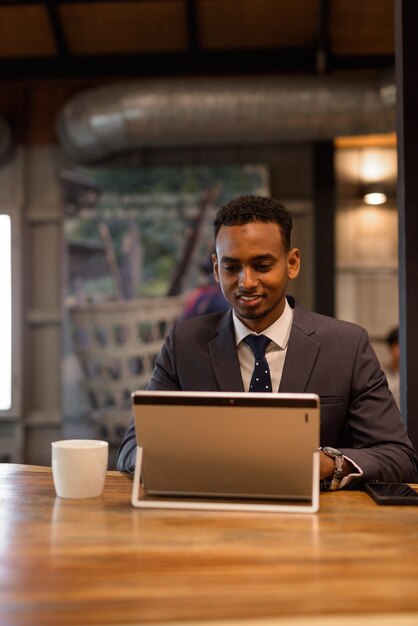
pixel 231 268
pixel 263 267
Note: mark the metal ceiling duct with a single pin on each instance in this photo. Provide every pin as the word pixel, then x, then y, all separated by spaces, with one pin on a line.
pixel 6 143
pixel 235 110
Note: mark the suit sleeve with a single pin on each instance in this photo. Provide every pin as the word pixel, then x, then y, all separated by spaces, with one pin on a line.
pixel 164 378
pixel 379 443
pixel 126 455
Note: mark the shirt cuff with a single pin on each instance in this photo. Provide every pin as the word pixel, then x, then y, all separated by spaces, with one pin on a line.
pixel 345 482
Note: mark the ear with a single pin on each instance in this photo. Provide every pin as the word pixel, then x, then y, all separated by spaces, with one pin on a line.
pixel 215 267
pixel 293 263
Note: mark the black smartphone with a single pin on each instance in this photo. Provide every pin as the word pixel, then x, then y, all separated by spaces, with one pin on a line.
pixel 392 493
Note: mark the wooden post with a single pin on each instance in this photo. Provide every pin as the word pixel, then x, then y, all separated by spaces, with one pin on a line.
pixel 324 206
pixel 406 20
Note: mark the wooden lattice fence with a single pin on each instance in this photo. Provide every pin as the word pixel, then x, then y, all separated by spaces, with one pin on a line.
pixel 117 344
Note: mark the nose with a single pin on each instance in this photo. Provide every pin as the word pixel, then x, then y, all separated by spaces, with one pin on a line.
pixel 248 280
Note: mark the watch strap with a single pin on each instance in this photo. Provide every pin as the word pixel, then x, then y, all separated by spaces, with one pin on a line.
pixel 334 483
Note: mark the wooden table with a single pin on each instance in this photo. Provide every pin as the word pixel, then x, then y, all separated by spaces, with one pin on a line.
pixel 100 561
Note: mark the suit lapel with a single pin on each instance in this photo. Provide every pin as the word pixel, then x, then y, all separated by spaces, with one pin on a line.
pixel 302 351
pixel 224 356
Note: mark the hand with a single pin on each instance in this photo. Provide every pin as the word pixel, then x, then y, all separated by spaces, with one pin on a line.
pixel 326 466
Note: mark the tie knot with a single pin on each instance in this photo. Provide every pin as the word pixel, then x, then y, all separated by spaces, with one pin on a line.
pixel 258 344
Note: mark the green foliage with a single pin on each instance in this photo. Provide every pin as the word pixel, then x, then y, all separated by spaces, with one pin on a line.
pixel 162 203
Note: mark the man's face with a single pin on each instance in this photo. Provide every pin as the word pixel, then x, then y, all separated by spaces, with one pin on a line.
pixel 253 269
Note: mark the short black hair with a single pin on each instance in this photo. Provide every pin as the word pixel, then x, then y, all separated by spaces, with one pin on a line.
pixel 246 209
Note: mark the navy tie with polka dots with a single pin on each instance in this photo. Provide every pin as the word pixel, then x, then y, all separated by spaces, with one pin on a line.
pixel 260 380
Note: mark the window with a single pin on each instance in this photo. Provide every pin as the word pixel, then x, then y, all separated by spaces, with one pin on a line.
pixel 10 361
pixel 5 314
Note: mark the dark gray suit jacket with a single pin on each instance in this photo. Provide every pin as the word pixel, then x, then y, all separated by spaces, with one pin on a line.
pixel 325 356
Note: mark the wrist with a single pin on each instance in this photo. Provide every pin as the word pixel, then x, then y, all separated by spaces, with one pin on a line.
pixel 336 466
pixel 327 466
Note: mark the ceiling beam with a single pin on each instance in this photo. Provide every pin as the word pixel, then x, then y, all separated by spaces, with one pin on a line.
pixel 359 62
pixel 294 60
pixel 41 2
pixel 192 26
pixel 283 60
pixel 322 37
pixel 57 28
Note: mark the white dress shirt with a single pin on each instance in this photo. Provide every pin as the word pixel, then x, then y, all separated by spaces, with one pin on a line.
pixel 279 333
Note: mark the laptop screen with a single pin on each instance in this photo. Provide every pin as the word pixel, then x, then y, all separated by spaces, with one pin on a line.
pixel 233 446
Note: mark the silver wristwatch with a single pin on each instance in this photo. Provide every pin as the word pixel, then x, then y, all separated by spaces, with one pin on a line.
pixel 333 483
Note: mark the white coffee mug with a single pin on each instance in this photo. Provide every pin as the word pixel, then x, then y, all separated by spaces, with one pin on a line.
pixel 79 467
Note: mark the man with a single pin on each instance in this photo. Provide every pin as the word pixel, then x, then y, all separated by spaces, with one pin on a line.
pixel 362 433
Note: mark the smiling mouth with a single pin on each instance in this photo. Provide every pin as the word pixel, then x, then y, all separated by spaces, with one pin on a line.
pixel 248 298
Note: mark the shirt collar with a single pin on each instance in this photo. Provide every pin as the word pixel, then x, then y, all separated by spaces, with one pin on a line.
pixel 278 332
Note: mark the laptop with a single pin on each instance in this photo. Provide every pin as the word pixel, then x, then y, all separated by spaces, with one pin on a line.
pixel 226 451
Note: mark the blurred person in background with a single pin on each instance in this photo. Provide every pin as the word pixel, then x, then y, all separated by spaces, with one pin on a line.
pixel 207 297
